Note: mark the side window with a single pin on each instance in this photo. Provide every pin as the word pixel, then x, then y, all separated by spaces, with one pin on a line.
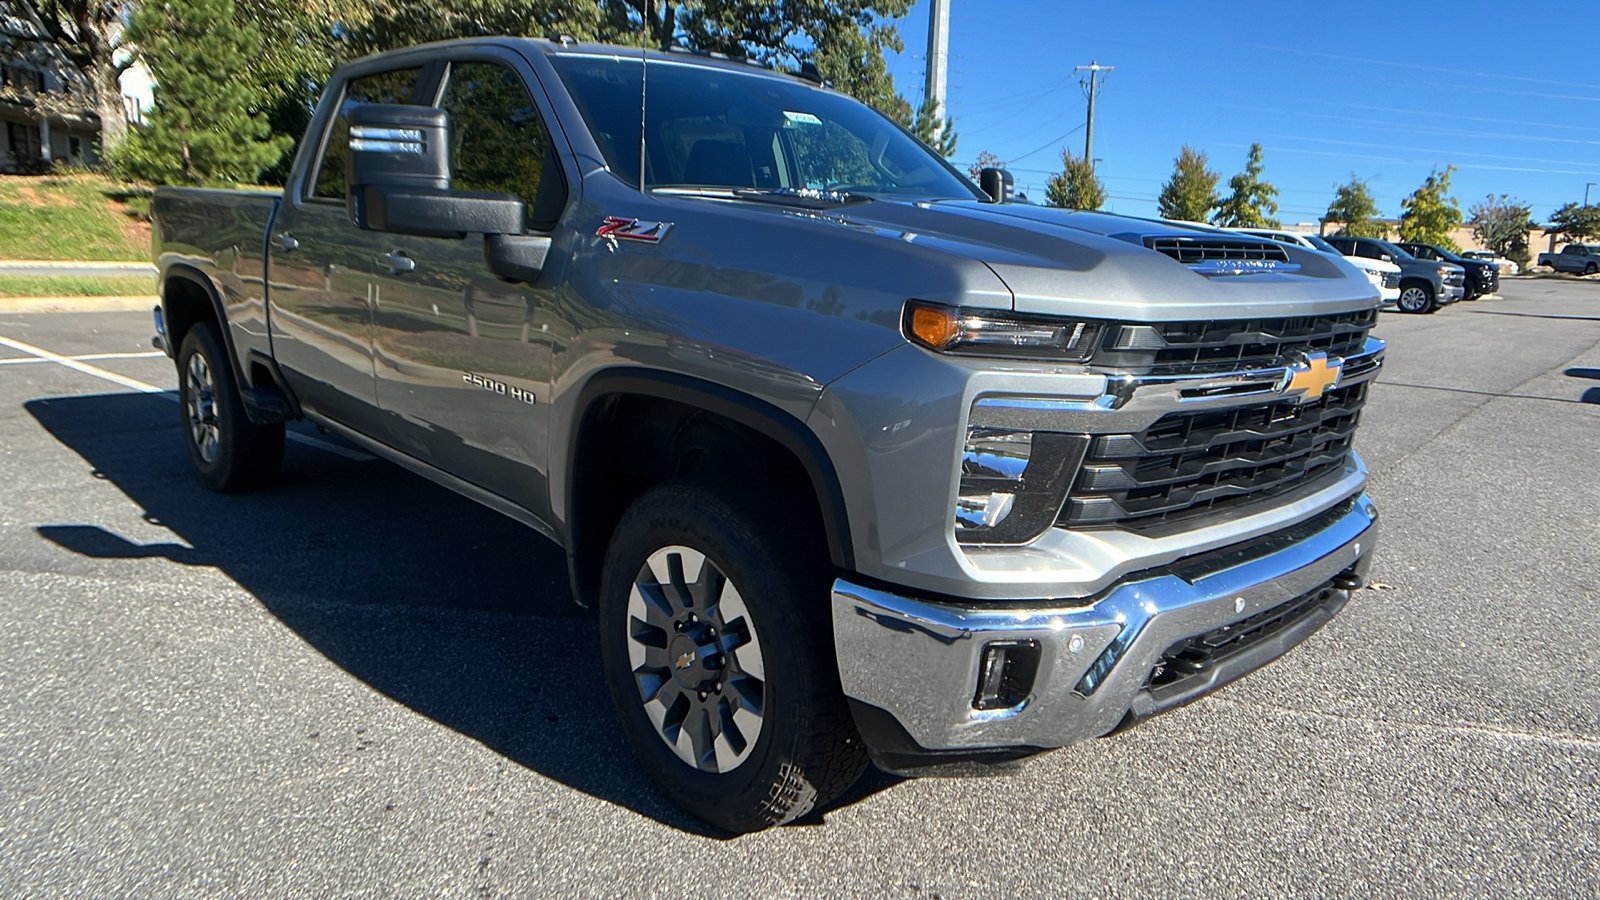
pixel 384 87
pixel 499 144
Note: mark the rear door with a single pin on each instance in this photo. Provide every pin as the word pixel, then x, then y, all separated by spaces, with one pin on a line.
pixel 321 268
pixel 462 358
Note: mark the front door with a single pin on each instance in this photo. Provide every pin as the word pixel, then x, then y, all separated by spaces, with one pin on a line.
pixel 321 270
pixel 462 358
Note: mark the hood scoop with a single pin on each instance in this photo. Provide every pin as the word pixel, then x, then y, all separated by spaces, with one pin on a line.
pixel 1221 255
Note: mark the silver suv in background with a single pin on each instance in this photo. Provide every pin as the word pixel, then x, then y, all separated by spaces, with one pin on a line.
pixel 1424 285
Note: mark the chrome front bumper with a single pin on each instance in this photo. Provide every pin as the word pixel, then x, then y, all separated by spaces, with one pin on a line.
pixel 918 661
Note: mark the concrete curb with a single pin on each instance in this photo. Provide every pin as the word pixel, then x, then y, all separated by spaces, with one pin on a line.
pixel 75 267
pixel 77 304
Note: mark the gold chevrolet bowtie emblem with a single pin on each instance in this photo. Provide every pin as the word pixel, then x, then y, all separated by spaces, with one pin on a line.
pixel 685 661
pixel 1315 374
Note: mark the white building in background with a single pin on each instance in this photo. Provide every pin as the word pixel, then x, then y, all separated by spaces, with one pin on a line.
pixel 46 114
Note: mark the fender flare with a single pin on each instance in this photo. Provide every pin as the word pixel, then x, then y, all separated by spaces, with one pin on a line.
pixel 751 412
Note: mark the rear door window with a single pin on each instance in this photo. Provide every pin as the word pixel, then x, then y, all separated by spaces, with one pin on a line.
pixel 398 86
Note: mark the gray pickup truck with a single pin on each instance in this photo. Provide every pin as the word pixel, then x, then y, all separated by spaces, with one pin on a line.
pixel 855 461
pixel 1579 259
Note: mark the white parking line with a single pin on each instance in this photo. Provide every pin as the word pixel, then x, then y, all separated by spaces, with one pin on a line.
pixel 145 354
pixel 77 364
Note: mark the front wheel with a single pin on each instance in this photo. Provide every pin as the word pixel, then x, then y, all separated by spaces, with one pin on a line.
pixel 1416 298
pixel 229 452
pixel 717 647
pixel 1590 269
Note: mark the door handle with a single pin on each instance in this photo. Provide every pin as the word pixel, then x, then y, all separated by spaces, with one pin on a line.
pixel 400 263
pixel 287 242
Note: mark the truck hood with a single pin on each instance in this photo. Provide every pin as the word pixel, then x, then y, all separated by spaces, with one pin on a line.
pixel 1068 262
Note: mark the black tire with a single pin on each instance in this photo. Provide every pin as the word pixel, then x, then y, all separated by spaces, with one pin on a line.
pixel 805 751
pixel 229 452
pixel 1416 297
pixel 1590 269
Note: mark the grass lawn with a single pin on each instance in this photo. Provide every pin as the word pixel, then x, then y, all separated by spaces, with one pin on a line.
pixel 87 217
pixel 77 286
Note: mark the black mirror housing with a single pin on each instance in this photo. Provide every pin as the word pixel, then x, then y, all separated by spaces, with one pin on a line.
pixel 398 165
pixel 997 183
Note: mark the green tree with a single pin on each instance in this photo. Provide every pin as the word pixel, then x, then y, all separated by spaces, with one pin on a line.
pixel 1355 210
pixel 206 124
pixel 939 134
pixel 1430 213
pixel 1075 186
pixel 1191 193
pixel 1501 224
pixel 1252 203
pixel 1574 223
pixel 985 160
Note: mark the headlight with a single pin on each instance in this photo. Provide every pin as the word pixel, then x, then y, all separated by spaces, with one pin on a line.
pixel 1445 270
pixel 982 332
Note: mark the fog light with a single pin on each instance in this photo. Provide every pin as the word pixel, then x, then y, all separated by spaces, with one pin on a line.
pixel 1006 674
pixel 1013 483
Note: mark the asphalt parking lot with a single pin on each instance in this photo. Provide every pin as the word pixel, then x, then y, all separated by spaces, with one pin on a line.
pixel 358 683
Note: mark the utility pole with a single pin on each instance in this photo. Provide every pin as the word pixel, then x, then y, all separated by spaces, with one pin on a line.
pixel 1091 87
pixel 938 69
pixel 1586 191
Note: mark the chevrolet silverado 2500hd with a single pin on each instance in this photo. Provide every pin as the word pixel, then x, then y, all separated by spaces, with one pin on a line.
pixel 854 460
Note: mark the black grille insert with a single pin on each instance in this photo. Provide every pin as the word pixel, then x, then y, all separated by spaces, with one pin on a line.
pixel 1191 465
pixel 1190 250
pixel 1192 658
pixel 1226 344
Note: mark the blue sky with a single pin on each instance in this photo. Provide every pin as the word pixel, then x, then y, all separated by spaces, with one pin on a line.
pixel 1508 93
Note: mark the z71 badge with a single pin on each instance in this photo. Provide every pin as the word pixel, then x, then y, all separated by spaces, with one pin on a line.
pixel 499 387
pixel 619 227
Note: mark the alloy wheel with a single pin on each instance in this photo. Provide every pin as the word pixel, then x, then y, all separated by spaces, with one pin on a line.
pixel 695 659
pixel 202 408
pixel 1413 299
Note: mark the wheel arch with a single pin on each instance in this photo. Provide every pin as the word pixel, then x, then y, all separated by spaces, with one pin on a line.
pixel 594 501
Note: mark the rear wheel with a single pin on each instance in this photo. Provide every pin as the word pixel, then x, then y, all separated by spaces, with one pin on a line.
pixel 1591 268
pixel 229 452
pixel 1416 298
pixel 717 646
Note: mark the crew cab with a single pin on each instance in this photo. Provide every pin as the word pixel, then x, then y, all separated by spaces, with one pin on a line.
pixel 852 460
pixel 1483 278
pixel 1580 259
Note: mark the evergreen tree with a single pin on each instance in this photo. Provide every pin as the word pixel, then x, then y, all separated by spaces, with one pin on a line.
pixel 1252 203
pixel 1191 194
pixel 1430 213
pixel 1502 224
pixel 939 134
pixel 206 125
pixel 1574 223
pixel 1075 186
pixel 1355 211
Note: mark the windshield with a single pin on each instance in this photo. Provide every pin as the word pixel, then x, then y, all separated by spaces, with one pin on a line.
pixel 1400 256
pixel 709 126
pixel 1320 244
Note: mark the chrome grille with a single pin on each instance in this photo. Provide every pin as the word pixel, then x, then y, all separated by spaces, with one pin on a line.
pixel 1391 279
pixel 1198 464
pixel 1183 347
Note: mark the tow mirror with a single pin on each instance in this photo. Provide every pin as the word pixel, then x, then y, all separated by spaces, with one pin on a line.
pixel 997 184
pixel 398 181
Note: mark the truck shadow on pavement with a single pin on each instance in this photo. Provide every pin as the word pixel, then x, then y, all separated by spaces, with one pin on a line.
pixel 447 607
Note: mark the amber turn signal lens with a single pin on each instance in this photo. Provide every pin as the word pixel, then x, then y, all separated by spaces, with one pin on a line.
pixel 932 325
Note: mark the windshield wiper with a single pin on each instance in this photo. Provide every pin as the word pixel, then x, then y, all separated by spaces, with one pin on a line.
pixel 807 198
